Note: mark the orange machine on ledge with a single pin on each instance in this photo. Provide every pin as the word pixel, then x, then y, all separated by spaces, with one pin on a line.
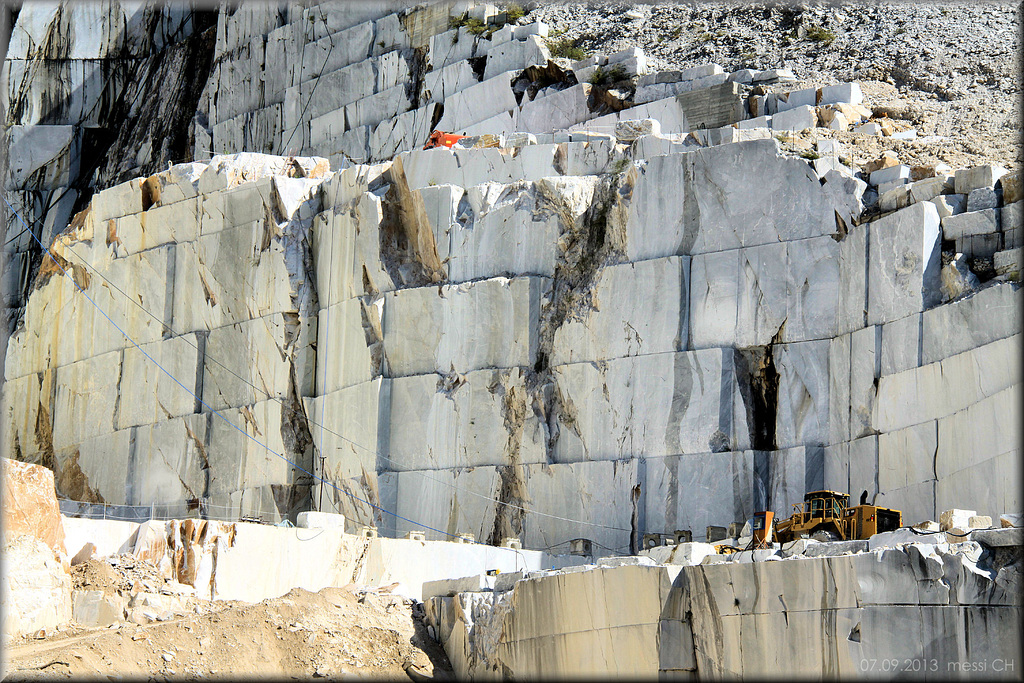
pixel 827 516
pixel 442 139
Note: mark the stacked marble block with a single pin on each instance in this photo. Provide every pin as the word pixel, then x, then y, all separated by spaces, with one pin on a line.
pixel 202 270
pixel 369 80
pixel 923 378
pixel 643 390
pixel 57 93
pixel 748 276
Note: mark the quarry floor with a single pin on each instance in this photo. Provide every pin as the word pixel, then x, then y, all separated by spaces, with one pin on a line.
pixel 336 633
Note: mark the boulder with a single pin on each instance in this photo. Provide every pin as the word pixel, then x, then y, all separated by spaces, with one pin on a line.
pixel 955 518
pixel 35 589
pixel 30 504
pixel 1011 519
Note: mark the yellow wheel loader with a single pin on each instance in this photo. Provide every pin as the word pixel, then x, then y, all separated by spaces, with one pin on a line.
pixel 828 516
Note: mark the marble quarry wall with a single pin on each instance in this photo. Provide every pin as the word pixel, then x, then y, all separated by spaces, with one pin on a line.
pixel 81 113
pixel 595 320
pixel 916 611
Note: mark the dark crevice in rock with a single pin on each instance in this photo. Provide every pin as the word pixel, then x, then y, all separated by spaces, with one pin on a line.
pixel 586 245
pixel 44 438
pixel 512 493
pixel 537 77
pixel 758 381
pixel 296 435
pixel 416 59
pixel 634 521
pixel 478 64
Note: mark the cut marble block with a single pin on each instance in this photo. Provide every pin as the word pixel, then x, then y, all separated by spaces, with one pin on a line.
pixel 497 164
pixel 444 82
pixel 502 123
pixel 853 288
pixel 515 55
pixel 151 394
pixel 907 456
pixel 742 297
pixel 27 416
pixel 589 496
pixel 916 502
pixel 441 204
pixel 30 347
pixel 95 469
pixel 738 297
pixel 946 387
pixel 803 400
pixel 995 483
pixel 408 130
pixel 141 309
pixel 839 389
pixel 863 455
pixel 980 432
pixel 836 467
pixel 637 308
pixel 329 92
pixel 449 501
pixel 864 364
pixel 347 425
pixel 595 157
pixel 233 207
pixel 211 291
pixel 467 167
pixel 513 229
pixel 450 47
pixel 700 490
pixel 247 447
pixel 554 626
pixel 983 317
pixel 169 461
pixel 886 577
pixel 903 263
pixel 719 206
pixel 257 359
pixel 42 157
pixel 57 325
pixel 392 70
pixel 176 184
pixel 333 52
pixel 556 111
pixel 488 323
pixel 478 102
pixel 349 344
pixel 485 417
pixel 390 34
pixel 346 250
pixel 658 404
pixel 86 399
pixel 371 110
pixel 813 289
pixel 901 344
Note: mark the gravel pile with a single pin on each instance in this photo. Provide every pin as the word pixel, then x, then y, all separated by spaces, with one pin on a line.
pixel 955 67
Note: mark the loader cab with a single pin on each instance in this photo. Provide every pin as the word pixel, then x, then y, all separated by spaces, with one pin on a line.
pixel 826 504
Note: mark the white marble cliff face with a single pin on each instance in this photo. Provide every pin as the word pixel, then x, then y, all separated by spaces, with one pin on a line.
pixel 580 357
pixel 505 311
